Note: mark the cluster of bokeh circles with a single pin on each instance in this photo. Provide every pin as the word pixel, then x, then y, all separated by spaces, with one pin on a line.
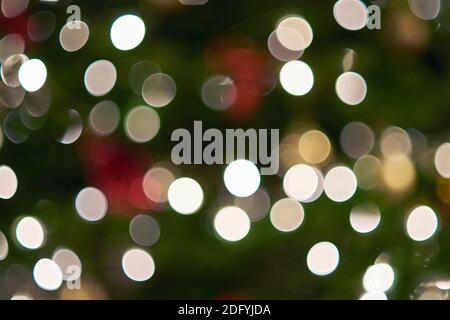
pixel 308 171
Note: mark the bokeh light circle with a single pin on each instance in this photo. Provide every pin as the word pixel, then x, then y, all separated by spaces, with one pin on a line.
pixel 100 77
pixel 296 78
pixel 301 182
pixel 422 223
pixel 351 14
pixel 340 184
pixel 351 88
pixel 74 36
pixel 127 32
pixel 138 265
pixel 144 230
pixel 159 90
pixel 232 223
pixel 294 33
pixel 219 92
pixel 30 233
pixel 287 215
pixel 142 124
pixel 365 218
pixel 185 196
pixel 69 263
pixel 32 75
pixel 47 275
pixel 10 69
pixel 323 258
pixel 91 204
pixel 442 160
pixel 242 178
pixel 104 118
pixel 8 183
pixel 379 278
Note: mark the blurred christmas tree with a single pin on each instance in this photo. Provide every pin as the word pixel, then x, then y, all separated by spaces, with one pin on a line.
pixel 88 109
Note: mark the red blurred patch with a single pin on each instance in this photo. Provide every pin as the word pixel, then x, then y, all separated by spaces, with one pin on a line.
pixel 117 169
pixel 246 64
pixel 15 25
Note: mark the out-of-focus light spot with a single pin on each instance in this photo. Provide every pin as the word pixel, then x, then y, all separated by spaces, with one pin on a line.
pixel 74 35
pixel 159 90
pixel 29 121
pixel 10 69
pixel 419 142
pixel 144 230
pixel 4 247
pixel 340 184
pixel 156 184
pixel 138 265
pixel 38 103
pixel 14 8
pixel 351 88
pixel 357 139
pixel 395 143
pixel 100 77
pixel 14 128
pixel 69 264
pixel 47 275
pixel 242 178
pixel 104 118
pixel 373 296
pixel 303 183
pixel 348 60
pixel 256 206
pixel 378 278
pixel 289 154
pixel 294 33
pixel 30 233
pixel 287 215
pixel 11 44
pixel 398 175
pixel 443 189
pixel 185 196
pixel 140 72
pixel 422 223
pixel 127 32
pixel 142 124
pixel 314 147
pixel 11 97
pixel 297 78
pixel 323 258
pixel 432 294
pixel 443 284
pixel 41 26
pixel 279 52
pixel 32 75
pixel 91 204
pixel 72 127
pixel 350 14
pixel 232 223
pixel 20 297
pixel 442 160
pixel 365 218
pixel 219 92
pixel 8 183
pixel 425 9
